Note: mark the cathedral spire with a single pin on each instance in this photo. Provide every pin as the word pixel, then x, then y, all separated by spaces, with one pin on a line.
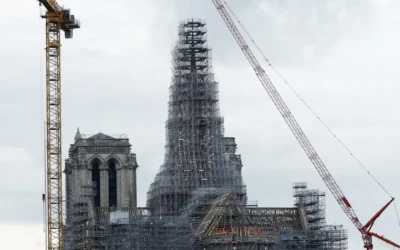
pixel 195 159
pixel 78 135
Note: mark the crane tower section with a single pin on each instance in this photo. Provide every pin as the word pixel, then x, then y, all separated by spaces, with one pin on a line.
pixel 57 19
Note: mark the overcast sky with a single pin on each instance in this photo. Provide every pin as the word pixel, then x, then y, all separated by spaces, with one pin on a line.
pixel 341 57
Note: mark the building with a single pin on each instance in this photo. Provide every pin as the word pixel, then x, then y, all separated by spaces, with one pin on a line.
pixel 107 164
pixel 198 199
pixel 100 176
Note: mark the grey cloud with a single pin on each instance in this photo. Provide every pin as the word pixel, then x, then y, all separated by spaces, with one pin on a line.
pixel 116 75
pixel 302 33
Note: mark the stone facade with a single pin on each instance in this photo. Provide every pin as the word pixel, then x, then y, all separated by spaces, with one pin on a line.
pixel 104 165
pixel 234 160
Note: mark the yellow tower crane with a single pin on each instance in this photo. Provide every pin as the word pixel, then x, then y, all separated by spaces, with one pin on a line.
pixel 57 19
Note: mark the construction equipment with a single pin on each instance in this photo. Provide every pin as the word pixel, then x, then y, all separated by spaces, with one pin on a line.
pixel 365 230
pixel 57 19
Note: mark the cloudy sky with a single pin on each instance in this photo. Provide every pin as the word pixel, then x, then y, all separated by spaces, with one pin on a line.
pixel 340 56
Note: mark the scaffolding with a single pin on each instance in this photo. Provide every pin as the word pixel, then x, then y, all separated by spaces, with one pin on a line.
pixel 228 224
pixel 127 229
pixel 198 199
pixel 231 224
pixel 312 205
pixel 196 156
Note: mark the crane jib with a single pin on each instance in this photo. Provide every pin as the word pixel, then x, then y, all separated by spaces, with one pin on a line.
pixel 298 132
pixel 346 202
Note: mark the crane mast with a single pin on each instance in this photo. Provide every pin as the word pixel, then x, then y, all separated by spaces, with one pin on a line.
pixel 57 19
pixel 300 135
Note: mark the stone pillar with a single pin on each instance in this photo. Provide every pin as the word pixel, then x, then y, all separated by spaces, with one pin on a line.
pixel 124 189
pixel 132 188
pixel 74 187
pixel 78 184
pixel 118 170
pixel 131 180
pixel 69 192
pixel 127 187
pixel 104 187
pixel 84 176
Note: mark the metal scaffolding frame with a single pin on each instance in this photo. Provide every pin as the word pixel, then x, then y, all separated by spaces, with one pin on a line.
pixel 311 204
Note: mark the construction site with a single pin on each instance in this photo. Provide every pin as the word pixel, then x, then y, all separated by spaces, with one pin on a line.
pixel 198 199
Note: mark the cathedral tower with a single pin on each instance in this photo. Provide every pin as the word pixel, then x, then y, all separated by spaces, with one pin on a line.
pixel 102 169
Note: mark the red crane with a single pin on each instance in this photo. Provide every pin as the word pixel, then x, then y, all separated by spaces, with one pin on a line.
pixel 365 230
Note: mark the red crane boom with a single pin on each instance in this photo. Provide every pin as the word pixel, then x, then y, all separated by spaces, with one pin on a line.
pixel 301 137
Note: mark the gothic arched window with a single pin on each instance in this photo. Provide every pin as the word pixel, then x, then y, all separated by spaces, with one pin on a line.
pixel 95 165
pixel 112 184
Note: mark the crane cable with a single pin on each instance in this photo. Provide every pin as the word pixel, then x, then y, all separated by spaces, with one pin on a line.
pixel 397 212
pixel 42 124
pixel 308 106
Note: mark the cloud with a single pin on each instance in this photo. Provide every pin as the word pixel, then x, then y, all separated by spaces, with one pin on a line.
pixel 307 32
pixel 341 56
pixel 21 185
pixel 22 236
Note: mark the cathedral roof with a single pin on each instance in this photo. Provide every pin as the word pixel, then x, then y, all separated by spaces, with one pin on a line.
pixel 101 136
pixel 101 140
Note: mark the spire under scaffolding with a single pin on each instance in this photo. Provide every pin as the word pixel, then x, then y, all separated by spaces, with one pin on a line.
pixel 198 157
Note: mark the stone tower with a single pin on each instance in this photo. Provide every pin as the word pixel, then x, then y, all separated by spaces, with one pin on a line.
pixel 105 166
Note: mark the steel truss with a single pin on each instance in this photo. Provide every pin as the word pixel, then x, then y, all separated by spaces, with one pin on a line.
pixel 54 153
